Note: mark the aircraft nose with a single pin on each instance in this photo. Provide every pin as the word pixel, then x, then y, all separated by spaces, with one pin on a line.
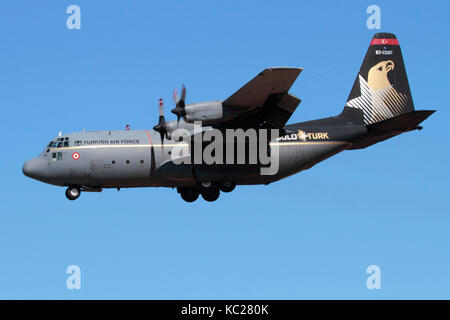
pixel 35 168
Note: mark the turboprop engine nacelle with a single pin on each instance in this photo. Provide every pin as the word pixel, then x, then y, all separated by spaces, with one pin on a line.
pixel 204 111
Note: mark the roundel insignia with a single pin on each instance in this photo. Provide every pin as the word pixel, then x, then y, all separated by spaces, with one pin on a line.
pixel 75 156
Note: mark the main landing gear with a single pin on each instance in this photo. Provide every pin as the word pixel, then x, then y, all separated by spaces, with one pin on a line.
pixel 210 191
pixel 189 194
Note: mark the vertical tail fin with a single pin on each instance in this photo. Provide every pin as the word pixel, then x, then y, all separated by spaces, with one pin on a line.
pixel 381 89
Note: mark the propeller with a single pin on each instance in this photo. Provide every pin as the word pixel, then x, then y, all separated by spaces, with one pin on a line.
pixel 180 105
pixel 161 126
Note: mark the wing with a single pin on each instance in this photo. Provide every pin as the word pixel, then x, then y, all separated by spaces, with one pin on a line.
pixel 264 100
pixel 270 81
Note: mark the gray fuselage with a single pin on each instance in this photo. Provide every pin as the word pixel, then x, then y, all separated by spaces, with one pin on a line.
pixel 137 158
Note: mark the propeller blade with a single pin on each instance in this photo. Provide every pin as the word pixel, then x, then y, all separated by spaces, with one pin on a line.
pixel 161 126
pixel 175 96
pixel 183 93
pixel 161 107
pixel 180 104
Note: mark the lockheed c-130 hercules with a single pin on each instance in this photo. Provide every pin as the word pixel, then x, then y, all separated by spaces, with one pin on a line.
pixel 379 107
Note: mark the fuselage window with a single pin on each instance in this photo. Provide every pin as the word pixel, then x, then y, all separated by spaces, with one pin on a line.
pixel 50 144
pixel 54 156
pixel 66 143
pixel 60 144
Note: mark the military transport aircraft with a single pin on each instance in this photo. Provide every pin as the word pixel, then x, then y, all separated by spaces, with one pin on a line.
pixel 379 107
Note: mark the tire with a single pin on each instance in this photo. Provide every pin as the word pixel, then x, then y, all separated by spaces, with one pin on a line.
pixel 227 186
pixel 211 195
pixel 73 193
pixel 205 186
pixel 189 194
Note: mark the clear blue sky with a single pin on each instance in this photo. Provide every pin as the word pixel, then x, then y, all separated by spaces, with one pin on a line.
pixel 309 236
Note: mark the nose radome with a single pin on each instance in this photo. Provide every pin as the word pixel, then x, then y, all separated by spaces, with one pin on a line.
pixel 35 168
pixel 26 169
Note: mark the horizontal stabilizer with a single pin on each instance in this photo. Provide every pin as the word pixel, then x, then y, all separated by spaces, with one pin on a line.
pixel 389 128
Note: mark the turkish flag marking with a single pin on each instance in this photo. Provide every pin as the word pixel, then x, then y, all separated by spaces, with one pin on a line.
pixel 393 42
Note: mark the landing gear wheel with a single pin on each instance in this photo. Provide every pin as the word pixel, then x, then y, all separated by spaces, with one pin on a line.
pixel 206 186
pixel 73 193
pixel 188 194
pixel 211 195
pixel 227 186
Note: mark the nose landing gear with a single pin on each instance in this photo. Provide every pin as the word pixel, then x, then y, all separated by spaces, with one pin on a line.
pixel 73 193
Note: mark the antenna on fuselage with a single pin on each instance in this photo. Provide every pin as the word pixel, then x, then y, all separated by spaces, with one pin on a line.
pixel 59 134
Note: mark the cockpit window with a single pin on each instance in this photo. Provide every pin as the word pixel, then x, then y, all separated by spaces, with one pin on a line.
pixel 57 156
pixel 59 143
